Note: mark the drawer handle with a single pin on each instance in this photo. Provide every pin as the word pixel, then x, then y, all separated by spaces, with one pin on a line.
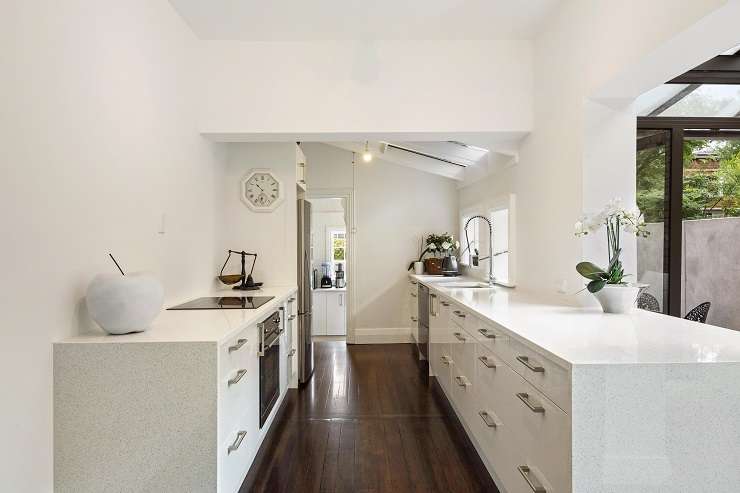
pixel 462 381
pixel 445 303
pixel 459 313
pixel 291 300
pixel 526 473
pixel 487 334
pixel 414 283
pixel 414 295
pixel 414 319
pixel 446 360
pixel 238 345
pixel 487 362
pixel 535 408
pixel 291 353
pixel 239 439
pixel 460 337
pixel 488 419
pixel 237 377
pixel 534 367
pixel 292 317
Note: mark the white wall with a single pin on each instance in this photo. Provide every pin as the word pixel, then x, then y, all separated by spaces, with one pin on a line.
pixel 384 86
pixel 99 139
pixel 395 206
pixel 581 153
pixel 272 235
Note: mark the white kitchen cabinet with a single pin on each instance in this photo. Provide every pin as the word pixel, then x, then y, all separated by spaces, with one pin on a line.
pixel 329 312
pixel 412 307
pixel 171 409
pixel 318 313
pixel 336 314
pixel 300 168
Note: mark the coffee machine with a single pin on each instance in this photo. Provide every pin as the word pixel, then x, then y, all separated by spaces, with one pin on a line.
pixel 339 277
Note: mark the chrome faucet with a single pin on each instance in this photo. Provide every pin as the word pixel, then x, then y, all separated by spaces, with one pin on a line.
pixel 475 258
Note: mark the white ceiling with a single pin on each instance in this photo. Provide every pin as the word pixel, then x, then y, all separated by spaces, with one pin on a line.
pixel 290 20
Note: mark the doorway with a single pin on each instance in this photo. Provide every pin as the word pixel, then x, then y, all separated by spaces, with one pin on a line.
pixel 331 266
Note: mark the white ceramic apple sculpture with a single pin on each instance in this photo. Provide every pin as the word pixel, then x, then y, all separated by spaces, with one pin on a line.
pixel 124 304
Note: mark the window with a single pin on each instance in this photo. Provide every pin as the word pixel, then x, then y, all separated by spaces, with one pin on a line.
pixel 337 248
pixel 500 222
pixel 500 212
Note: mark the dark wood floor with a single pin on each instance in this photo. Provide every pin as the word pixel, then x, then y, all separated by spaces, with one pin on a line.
pixel 367 421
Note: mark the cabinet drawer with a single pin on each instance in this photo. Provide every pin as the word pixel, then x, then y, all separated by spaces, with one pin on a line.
pixel 492 338
pixel 442 362
pixel 235 453
pixel 462 349
pixel 235 352
pixel 539 435
pixel 463 319
pixel 548 377
pixel 463 394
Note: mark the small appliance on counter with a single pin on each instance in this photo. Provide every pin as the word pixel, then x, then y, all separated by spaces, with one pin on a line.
pixel 247 282
pixel 339 277
pixel 326 281
pixel 449 266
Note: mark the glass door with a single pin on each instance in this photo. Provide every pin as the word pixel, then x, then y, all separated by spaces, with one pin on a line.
pixel 653 165
pixel 710 211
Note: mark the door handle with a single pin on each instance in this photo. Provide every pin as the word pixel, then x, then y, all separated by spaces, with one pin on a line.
pixel 526 362
pixel 535 408
pixel 487 334
pixel 238 345
pixel 487 418
pixel 237 443
pixel 237 377
pixel 460 337
pixel 487 362
pixel 526 472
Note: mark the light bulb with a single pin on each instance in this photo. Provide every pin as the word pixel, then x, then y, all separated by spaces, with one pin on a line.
pixel 367 156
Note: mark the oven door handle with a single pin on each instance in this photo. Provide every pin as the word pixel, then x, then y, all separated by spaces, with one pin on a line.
pixel 261 328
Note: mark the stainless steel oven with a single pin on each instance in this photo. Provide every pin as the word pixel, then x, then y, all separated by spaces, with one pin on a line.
pixel 269 331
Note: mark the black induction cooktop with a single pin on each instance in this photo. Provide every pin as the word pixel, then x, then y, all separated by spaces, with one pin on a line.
pixel 224 303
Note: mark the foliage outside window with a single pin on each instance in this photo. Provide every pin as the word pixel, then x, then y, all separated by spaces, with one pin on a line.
pixel 711 180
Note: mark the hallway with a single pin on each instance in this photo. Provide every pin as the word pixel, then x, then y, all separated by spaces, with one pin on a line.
pixel 367 421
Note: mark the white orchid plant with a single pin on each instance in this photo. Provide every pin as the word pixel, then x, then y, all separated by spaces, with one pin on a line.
pixel 615 218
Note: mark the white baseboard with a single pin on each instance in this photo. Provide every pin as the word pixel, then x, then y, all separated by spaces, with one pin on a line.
pixel 383 336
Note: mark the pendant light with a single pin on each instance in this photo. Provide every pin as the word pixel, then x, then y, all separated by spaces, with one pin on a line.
pixel 367 156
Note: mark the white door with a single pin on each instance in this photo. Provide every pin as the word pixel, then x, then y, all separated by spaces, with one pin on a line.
pixel 336 307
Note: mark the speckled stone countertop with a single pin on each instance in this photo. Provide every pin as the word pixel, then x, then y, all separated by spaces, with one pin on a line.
pixel 197 325
pixel 583 336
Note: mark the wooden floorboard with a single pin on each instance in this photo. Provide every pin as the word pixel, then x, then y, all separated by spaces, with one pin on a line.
pixel 367 421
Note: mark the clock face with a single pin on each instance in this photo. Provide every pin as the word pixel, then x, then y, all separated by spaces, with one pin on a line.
pixel 261 191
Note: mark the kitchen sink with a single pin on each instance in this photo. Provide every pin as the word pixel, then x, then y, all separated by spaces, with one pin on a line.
pixel 464 285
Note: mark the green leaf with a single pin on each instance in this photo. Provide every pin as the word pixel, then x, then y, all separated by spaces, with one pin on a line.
pixel 591 271
pixel 595 286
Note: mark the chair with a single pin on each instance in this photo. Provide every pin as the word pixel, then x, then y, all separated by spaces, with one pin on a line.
pixel 647 301
pixel 699 313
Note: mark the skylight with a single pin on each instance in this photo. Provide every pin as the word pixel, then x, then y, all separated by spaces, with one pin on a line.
pixel 691 100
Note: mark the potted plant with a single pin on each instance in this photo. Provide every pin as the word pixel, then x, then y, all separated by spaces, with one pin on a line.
pixel 608 285
pixel 438 246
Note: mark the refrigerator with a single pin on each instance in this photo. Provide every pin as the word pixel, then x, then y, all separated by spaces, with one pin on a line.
pixel 305 342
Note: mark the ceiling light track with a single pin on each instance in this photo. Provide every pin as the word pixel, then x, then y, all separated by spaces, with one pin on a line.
pixel 418 153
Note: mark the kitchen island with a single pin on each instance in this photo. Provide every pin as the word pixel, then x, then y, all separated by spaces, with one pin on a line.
pixel 175 408
pixel 558 398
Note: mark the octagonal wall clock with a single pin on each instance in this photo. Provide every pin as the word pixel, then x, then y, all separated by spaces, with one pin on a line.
pixel 261 190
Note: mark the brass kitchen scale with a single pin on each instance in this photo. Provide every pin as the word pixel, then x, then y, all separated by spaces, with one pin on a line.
pixel 246 281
